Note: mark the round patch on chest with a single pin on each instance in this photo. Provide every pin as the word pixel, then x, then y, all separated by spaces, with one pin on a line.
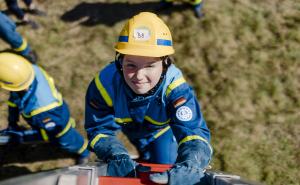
pixel 50 125
pixel 184 113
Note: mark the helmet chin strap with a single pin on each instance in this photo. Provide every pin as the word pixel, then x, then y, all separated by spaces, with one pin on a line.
pixel 118 62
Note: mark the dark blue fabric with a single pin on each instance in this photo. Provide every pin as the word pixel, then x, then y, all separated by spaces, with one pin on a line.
pixel 59 115
pixel 13 6
pixel 9 34
pixel 22 136
pixel 112 151
pixel 16 137
pixel 53 121
pixel 13 116
pixel 100 117
pixel 23 98
pixel 71 141
pixel 162 150
pixel 121 166
pixel 193 157
pixel 108 147
pixel 195 151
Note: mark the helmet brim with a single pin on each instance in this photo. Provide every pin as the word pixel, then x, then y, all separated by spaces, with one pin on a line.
pixel 157 51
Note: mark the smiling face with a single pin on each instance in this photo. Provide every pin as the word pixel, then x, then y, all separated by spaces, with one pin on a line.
pixel 141 73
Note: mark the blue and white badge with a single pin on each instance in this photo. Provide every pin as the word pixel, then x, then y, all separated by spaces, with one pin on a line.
pixel 50 125
pixel 184 113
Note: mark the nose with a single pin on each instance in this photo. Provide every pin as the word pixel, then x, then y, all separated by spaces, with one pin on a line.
pixel 139 74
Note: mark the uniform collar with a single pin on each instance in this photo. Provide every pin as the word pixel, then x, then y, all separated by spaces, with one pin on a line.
pixel 24 98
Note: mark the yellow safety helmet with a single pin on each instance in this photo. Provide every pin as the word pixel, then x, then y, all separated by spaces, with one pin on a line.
pixel 147 35
pixel 16 73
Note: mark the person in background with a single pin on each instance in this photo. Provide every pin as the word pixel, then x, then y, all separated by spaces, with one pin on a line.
pixel 18 44
pixel 13 7
pixel 196 4
pixel 34 96
pixel 146 96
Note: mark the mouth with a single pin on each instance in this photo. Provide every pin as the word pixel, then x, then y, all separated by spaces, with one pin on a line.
pixel 138 83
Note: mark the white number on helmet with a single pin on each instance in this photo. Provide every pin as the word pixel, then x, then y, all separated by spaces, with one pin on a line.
pixel 141 34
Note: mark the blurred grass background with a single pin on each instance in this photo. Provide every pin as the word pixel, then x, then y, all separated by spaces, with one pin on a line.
pixel 242 58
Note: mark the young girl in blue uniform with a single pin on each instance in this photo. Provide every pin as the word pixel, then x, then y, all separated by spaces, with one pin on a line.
pixel 146 96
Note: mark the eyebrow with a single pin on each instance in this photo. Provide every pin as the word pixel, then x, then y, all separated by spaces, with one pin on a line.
pixel 130 61
pixel 153 62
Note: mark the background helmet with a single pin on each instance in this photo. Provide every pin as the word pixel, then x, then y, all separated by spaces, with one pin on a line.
pixel 16 73
pixel 145 35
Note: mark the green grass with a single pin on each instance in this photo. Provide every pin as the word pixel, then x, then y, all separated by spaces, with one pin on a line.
pixel 242 59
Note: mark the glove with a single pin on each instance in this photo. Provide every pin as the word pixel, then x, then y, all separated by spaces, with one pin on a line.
pixel 32 57
pixel 181 173
pixel 192 158
pixel 113 152
pixel 121 165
